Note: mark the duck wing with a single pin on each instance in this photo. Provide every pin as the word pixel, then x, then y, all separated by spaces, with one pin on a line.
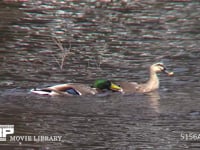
pixel 65 89
pixel 83 89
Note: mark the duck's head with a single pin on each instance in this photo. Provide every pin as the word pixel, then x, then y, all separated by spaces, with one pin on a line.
pixel 106 84
pixel 159 67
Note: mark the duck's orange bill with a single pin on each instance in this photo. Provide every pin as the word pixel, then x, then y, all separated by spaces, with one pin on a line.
pixel 169 73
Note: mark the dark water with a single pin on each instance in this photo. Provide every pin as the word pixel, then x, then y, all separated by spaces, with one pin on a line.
pixel 113 40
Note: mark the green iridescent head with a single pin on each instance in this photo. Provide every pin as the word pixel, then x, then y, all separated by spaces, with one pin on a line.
pixel 106 84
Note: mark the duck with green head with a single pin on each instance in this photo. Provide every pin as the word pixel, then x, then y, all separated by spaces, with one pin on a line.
pixel 72 89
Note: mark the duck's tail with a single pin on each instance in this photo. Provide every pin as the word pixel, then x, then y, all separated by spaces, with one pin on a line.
pixel 43 91
pixel 53 92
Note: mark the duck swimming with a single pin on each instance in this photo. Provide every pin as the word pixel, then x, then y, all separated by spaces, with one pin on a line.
pixel 151 85
pixel 71 89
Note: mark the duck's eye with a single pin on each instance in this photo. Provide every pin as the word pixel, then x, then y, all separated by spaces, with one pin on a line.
pixel 160 66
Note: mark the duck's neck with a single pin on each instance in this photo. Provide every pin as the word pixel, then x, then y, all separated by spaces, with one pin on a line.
pixel 153 82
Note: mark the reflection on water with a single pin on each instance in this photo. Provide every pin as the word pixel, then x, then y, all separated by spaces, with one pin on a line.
pixel 154 98
pixel 113 40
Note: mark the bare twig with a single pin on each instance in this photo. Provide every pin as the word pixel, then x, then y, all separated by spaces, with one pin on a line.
pixel 64 52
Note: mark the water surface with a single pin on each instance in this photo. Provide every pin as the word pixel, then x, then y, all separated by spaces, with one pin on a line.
pixel 112 40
